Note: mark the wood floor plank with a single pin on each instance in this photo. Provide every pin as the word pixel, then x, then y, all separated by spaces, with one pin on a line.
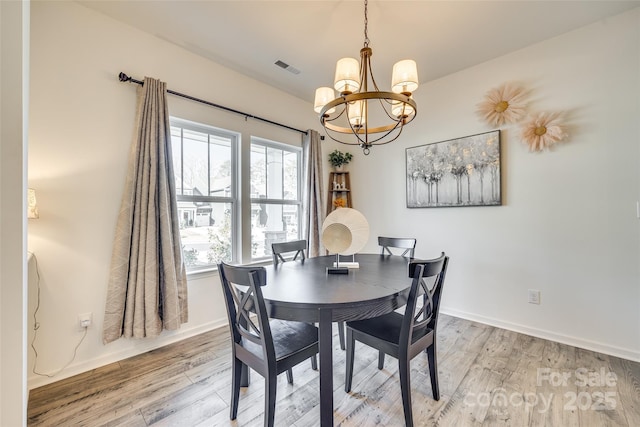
pixel 189 384
pixel 132 419
pixel 69 389
pixel 628 388
pixel 199 407
pixel 453 366
pixel 468 403
pixel 508 403
pixel 552 406
pixel 164 362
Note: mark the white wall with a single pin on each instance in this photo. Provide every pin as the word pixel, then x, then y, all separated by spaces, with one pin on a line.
pixel 14 73
pixel 568 224
pixel 81 129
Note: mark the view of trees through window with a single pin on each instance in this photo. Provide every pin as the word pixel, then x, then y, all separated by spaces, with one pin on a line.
pixel 205 166
pixel 275 195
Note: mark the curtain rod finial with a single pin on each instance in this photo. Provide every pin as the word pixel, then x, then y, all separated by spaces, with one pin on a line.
pixel 123 77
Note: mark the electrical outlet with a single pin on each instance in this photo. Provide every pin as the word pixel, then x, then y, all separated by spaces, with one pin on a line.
pixel 85 319
pixel 534 296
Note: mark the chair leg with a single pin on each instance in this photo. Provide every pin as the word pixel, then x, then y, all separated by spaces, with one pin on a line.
pixel 289 376
pixel 380 360
pixel 341 334
pixel 433 370
pixel 235 387
pixel 270 385
pixel 314 363
pixel 405 388
pixel 351 343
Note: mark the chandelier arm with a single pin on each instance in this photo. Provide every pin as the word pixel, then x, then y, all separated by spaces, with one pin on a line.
pixel 330 135
pixel 365 68
pixel 344 111
pixel 373 80
pixel 397 126
pixel 388 109
pixel 356 130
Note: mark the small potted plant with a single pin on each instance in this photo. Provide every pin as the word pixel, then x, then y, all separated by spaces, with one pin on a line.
pixel 338 159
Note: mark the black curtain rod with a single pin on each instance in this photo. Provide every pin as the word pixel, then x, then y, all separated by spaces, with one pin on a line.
pixel 124 78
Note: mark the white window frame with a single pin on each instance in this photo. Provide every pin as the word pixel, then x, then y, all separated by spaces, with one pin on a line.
pixel 233 199
pixel 292 202
pixel 240 200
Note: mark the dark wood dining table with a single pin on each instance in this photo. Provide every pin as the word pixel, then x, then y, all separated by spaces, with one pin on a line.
pixel 304 291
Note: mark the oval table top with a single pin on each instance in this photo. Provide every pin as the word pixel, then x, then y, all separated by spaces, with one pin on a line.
pixel 297 290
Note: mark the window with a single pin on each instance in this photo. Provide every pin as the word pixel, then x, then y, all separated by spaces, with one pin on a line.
pixel 211 206
pixel 204 160
pixel 275 195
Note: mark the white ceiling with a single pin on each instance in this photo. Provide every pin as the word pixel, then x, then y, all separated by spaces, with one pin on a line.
pixel 442 36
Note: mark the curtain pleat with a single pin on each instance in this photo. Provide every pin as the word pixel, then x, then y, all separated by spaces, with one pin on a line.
pixel 314 212
pixel 147 290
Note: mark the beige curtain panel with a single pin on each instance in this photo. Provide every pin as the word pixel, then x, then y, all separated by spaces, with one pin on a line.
pixel 147 290
pixel 312 149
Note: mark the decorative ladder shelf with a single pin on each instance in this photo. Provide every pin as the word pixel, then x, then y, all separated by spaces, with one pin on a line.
pixel 339 188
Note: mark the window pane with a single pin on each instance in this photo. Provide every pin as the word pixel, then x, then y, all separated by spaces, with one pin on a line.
pixel 176 152
pixel 272 223
pixel 204 171
pixel 205 230
pixel 195 163
pixel 290 176
pixel 274 173
pixel 274 176
pixel 221 170
pixel 258 171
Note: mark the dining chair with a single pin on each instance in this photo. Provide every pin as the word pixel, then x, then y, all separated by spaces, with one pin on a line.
pixel 268 346
pixel 408 244
pixel 299 246
pixel 404 336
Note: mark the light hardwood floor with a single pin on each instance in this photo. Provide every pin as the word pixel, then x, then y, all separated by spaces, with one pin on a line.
pixel 488 377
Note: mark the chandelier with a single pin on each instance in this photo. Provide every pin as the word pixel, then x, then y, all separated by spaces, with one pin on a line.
pixel 362 110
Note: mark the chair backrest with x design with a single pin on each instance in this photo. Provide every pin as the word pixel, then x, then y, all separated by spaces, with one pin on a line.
pixel 419 320
pixel 245 306
pixel 297 246
pixel 408 244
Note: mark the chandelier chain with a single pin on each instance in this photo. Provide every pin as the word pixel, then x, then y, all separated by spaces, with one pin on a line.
pixel 366 24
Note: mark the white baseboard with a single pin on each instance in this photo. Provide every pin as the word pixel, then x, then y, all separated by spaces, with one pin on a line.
pixel 35 381
pixel 621 352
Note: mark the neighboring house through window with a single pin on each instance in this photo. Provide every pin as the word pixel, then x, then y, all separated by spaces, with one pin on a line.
pixel 208 170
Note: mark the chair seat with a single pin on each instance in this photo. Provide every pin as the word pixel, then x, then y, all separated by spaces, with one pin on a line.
pixel 289 337
pixel 268 346
pixel 404 336
pixel 386 328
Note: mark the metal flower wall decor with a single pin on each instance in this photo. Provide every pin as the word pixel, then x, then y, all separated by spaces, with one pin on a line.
pixel 504 104
pixel 542 131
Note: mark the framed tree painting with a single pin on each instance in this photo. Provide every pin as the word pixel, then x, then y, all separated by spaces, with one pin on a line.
pixel 458 172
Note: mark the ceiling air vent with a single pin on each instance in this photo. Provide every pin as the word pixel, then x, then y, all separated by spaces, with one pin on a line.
pixel 287 67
